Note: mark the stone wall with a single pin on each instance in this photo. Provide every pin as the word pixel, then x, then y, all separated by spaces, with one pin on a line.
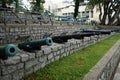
pixel 20 33
pixel 25 63
pixel 104 69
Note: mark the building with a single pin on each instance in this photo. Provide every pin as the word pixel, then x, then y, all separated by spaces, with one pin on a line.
pixel 66 9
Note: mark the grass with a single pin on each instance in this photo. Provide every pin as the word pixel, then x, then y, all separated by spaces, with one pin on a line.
pixel 76 65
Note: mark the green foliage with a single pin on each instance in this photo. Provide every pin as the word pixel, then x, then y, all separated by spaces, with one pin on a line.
pixel 76 65
pixel 37 5
pixel 21 9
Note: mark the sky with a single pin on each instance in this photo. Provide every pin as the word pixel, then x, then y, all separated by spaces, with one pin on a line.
pixel 54 1
pixel 25 2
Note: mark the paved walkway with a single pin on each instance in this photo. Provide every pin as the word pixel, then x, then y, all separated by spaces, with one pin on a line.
pixel 117 74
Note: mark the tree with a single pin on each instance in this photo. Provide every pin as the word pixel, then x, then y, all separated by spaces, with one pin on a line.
pixel 5 2
pixel 77 2
pixel 109 11
pixel 37 5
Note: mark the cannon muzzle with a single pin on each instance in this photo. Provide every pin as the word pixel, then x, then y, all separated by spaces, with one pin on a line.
pixel 8 51
pixel 35 44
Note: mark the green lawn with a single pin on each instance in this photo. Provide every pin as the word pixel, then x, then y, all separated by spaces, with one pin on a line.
pixel 76 65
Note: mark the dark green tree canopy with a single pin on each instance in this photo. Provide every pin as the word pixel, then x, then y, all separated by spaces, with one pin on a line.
pixel 37 5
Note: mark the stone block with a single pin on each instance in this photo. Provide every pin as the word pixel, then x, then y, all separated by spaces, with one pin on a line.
pixel 117 76
pixel 58 52
pixel 43 64
pixel 50 56
pixel 18 74
pixel 52 60
pixel 86 38
pixel 6 77
pixel 39 53
pixel 72 41
pixel 31 63
pixel 67 44
pixel 12 60
pixel 37 66
pixel 54 48
pixel 31 55
pixel 8 69
pixel 46 50
pixel 62 51
pixel 29 70
pixel 20 66
pixel 57 57
pixel 78 41
pixel 60 46
pixel 0 71
pixel 103 76
pixel 66 49
pixel 54 53
pixel 43 58
pixel 24 57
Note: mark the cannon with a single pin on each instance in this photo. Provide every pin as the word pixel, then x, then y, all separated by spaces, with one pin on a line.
pixel 7 51
pixel 32 45
pixel 98 31
pixel 64 38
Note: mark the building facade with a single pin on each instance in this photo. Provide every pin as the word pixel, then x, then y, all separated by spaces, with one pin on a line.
pixel 66 9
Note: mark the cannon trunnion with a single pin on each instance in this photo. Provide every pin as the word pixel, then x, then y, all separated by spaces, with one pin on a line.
pixel 7 51
pixel 35 44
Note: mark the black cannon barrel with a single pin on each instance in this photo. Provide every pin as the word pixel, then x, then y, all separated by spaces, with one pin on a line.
pixel 64 38
pixel 35 44
pixel 98 31
pixel 8 51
